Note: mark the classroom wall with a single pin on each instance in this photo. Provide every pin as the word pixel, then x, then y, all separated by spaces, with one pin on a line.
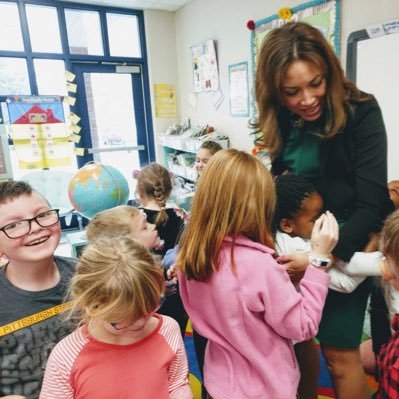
pixel 225 22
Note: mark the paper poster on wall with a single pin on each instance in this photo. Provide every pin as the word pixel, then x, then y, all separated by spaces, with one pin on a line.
pixel 205 67
pixel 38 131
pixel 239 95
pixel 165 101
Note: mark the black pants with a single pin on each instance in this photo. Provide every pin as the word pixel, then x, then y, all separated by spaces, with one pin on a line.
pixel 379 318
pixel 200 345
pixel 173 307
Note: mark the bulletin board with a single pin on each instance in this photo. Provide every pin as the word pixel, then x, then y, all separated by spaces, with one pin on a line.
pixel 323 14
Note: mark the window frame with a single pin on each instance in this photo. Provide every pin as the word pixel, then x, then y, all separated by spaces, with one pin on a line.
pixel 68 58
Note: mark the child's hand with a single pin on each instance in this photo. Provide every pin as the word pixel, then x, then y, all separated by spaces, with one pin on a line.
pixel 171 274
pixel 171 281
pixel 295 265
pixel 325 235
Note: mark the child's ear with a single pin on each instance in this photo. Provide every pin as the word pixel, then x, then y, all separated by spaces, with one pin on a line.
pixel 286 226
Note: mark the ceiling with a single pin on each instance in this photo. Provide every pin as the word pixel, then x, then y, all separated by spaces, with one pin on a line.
pixel 167 5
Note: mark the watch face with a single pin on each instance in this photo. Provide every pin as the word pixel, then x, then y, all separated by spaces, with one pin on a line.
pixel 319 262
pixel 324 263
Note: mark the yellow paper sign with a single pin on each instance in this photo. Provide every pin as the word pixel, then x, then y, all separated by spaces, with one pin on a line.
pixel 72 87
pixel 69 100
pixel 75 137
pixel 165 101
pixel 70 77
pixel 74 118
pixel 75 128
pixel 79 151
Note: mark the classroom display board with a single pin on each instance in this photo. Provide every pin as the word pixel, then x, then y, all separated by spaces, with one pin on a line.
pixel 38 131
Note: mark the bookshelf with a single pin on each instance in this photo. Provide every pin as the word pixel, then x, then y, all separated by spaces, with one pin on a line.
pixel 179 153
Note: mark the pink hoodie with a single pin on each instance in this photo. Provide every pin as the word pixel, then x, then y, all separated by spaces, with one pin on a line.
pixel 250 318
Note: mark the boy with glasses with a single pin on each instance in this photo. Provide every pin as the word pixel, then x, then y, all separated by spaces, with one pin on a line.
pixel 33 285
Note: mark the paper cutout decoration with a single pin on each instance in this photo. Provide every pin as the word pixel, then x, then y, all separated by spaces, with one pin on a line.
pixel 72 87
pixel 75 138
pixel 73 118
pixel 69 100
pixel 39 132
pixel 70 77
pixel 75 128
pixel 79 151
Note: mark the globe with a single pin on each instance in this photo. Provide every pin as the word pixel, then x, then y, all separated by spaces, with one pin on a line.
pixel 96 187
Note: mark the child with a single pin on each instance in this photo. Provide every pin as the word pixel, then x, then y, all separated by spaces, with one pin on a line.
pixel 123 220
pixel 122 348
pixel 128 220
pixel 235 292
pixel 298 207
pixel 204 154
pixel 33 286
pixel 154 187
pixel 388 364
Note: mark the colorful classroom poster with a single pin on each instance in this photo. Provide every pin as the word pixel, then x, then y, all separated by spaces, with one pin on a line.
pixel 38 131
pixel 205 67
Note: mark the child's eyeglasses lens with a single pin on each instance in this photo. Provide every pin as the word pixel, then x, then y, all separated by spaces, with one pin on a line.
pixel 22 227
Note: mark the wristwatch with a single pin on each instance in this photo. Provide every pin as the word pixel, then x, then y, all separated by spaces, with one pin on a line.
pixel 319 262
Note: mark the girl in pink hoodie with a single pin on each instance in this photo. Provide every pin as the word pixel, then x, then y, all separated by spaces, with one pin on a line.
pixel 235 292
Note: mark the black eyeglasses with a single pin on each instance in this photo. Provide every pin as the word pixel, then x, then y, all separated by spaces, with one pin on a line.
pixel 22 227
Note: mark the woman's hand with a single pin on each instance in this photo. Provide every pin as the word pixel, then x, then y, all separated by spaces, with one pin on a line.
pixel 373 244
pixel 325 235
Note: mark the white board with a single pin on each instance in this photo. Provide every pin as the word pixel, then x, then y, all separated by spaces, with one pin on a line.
pixel 377 72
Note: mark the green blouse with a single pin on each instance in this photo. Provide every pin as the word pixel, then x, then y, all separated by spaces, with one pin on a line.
pixel 301 153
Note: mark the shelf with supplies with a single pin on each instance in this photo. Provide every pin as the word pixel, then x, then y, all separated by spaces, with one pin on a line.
pixel 180 151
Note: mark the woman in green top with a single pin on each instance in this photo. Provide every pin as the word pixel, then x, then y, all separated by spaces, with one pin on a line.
pixel 317 124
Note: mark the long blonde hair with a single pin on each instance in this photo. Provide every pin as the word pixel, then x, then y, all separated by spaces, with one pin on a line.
pixel 235 196
pixel 298 41
pixel 116 279
pixel 112 222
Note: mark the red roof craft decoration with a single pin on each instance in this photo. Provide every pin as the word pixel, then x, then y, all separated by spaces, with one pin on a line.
pixel 37 115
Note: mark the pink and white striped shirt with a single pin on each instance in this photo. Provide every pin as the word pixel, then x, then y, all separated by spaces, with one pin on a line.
pixel 81 367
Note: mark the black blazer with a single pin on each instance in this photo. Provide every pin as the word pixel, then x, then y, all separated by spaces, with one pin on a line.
pixel 353 169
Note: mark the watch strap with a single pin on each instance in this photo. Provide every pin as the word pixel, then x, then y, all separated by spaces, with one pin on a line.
pixel 319 262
